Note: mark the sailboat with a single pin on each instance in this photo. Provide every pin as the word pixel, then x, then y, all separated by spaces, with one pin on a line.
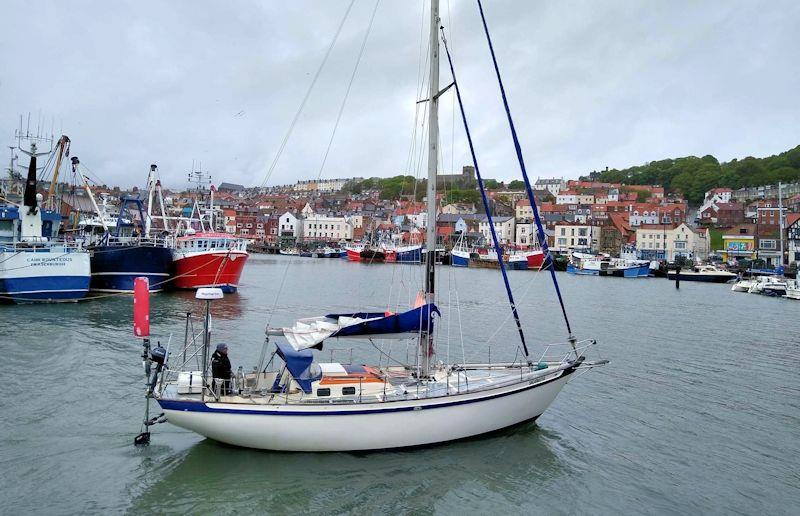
pixel 303 404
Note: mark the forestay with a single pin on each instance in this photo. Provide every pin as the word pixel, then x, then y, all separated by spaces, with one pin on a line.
pixel 311 332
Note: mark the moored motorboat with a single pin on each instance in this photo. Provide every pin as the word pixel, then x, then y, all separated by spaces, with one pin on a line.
pixel 793 289
pixel 768 285
pixel 743 285
pixel 704 273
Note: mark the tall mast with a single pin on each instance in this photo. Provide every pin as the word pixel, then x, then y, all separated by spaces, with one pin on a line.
pixel 63 149
pixel 151 187
pixel 433 152
pixel 426 338
pixel 780 219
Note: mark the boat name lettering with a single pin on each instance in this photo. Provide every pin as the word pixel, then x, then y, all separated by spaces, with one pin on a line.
pixel 36 261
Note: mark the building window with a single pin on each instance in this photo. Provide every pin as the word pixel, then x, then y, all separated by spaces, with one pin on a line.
pixel 768 244
pixel 680 245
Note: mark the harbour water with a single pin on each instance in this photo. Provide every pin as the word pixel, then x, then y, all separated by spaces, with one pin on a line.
pixel 698 411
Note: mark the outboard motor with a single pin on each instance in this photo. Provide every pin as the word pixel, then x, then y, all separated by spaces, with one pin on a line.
pixel 158 356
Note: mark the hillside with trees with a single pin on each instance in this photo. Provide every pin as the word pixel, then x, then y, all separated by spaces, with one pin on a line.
pixel 693 176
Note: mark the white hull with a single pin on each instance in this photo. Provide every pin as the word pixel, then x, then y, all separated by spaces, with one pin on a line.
pixel 54 274
pixel 368 426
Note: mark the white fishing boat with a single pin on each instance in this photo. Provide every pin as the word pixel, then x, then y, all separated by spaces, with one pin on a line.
pixel 301 403
pixel 35 266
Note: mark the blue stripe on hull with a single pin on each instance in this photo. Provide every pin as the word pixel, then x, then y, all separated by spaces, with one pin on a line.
pixel 199 406
pixel 581 272
pixel 115 267
pixel 412 256
pixel 630 273
pixel 459 261
pixel 62 288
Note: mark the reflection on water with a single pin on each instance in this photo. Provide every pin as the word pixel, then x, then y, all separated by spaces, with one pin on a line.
pixel 230 308
pixel 697 412
pixel 211 476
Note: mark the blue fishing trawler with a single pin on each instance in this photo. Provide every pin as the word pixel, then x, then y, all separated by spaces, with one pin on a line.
pixel 129 252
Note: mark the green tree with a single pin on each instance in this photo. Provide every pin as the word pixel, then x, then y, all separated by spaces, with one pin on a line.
pixel 491 184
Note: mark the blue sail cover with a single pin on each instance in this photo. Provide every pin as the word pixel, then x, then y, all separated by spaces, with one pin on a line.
pixel 311 332
pixel 377 324
pixel 298 363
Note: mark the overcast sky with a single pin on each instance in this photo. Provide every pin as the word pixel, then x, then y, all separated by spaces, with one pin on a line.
pixel 591 84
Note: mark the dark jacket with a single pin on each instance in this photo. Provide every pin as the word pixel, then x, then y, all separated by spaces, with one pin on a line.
pixel 221 366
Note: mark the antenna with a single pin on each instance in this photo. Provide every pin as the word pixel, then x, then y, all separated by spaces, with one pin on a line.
pixel 198 177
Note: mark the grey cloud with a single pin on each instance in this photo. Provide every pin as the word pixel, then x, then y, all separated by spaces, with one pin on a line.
pixel 591 83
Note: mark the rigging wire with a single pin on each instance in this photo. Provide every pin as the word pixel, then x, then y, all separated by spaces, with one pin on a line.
pixel 528 189
pixel 349 86
pixel 497 246
pixel 302 106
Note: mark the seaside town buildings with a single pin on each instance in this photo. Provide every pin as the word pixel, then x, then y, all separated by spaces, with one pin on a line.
pixel 582 216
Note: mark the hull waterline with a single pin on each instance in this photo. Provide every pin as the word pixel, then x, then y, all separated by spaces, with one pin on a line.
pixel 213 269
pixel 398 424
pixel 114 268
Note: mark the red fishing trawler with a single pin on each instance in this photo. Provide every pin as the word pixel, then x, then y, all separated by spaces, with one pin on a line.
pixel 209 260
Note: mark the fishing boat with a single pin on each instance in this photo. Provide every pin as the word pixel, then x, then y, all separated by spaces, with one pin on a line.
pixel 325 252
pixel 459 258
pixel 34 265
pixel 209 259
pixel 124 254
pixel 459 254
pixel 535 259
pixel 705 273
pixel 487 259
pixel 301 403
pixel 204 258
pixel 589 265
pixel 353 251
pixel 403 253
pixel 371 255
pixel 127 250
